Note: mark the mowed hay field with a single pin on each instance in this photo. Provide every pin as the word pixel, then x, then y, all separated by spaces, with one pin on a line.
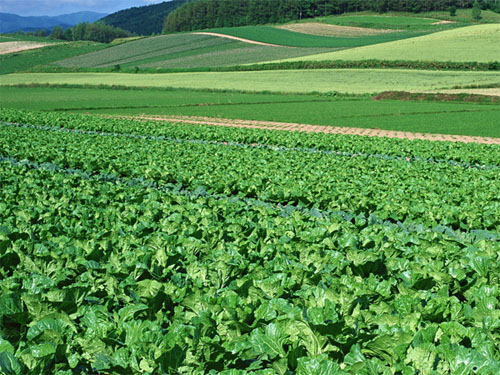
pixel 479 43
pixel 293 81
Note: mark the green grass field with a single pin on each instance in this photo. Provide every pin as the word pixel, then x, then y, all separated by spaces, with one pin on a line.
pixel 268 34
pixel 364 112
pixel 27 38
pixel 292 81
pixel 21 61
pixel 397 22
pixel 473 43
pixel 183 51
pixel 50 98
pixel 424 21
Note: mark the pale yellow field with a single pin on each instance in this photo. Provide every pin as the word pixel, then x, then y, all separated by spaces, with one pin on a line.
pixel 11 47
pixel 479 43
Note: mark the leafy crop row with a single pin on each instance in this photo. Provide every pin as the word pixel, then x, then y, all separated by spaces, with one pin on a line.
pixel 122 252
pixel 107 279
pixel 466 153
pixel 309 150
pixel 396 190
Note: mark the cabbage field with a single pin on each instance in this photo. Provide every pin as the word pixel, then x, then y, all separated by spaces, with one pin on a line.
pixel 135 247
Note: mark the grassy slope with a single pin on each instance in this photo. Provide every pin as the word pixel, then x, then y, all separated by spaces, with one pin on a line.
pixel 409 21
pixel 268 34
pixel 473 43
pixel 344 80
pixel 18 62
pixel 183 51
pixel 394 21
pixel 27 38
pixel 432 117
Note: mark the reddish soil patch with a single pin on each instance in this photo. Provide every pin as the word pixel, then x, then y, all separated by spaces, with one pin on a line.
pixel 443 22
pixel 11 47
pixel 238 39
pixel 271 125
pixel 323 29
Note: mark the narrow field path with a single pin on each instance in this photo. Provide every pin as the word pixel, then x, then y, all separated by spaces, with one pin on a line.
pixel 272 125
pixel 239 39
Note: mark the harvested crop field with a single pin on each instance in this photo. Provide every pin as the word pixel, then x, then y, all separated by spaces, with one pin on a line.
pixel 11 47
pixel 322 29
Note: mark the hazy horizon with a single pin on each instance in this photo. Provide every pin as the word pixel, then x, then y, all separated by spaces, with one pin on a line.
pixel 57 7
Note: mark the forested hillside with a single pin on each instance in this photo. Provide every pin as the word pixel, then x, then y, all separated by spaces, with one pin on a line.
pixel 203 14
pixel 144 20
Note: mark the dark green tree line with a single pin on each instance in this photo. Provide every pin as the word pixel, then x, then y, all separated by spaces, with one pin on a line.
pixel 95 32
pixel 202 14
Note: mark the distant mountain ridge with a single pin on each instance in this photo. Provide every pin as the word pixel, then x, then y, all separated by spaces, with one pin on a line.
pixel 144 20
pixel 12 22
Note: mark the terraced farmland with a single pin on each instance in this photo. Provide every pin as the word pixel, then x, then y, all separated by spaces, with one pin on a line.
pixel 230 251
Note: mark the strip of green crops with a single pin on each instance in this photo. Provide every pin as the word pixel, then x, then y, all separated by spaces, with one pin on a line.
pixel 282 37
pixel 172 285
pixel 111 277
pixel 391 190
pixel 468 153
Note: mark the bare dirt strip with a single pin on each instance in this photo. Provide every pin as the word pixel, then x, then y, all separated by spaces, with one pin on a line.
pixel 239 39
pixel 285 126
pixel 485 92
pixel 11 47
pixel 323 29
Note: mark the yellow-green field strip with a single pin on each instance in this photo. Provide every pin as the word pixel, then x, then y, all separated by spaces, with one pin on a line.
pixel 299 81
pixel 480 43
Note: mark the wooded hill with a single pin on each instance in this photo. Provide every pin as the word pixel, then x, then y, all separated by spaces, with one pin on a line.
pixel 202 14
pixel 145 20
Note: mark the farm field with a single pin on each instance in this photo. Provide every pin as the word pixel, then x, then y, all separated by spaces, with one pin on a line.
pixel 279 36
pixel 322 29
pixel 355 81
pixel 11 47
pixel 423 21
pixel 459 118
pixel 170 206
pixel 183 51
pixel 193 228
pixel 29 59
pixel 25 38
pixel 473 43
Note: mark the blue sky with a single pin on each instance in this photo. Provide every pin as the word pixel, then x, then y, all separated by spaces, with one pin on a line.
pixel 56 7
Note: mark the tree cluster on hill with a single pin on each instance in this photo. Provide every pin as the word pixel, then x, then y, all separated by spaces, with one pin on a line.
pixel 203 14
pixel 95 32
pixel 145 20
pixel 41 33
